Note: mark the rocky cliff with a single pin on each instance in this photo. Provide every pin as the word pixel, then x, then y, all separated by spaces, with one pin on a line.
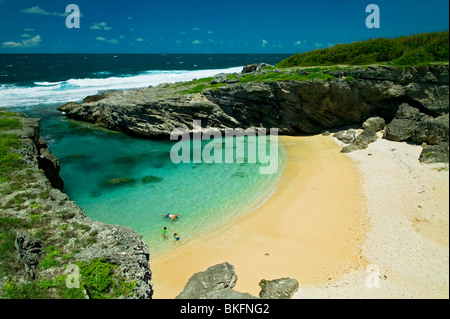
pixel 296 104
pixel 296 101
pixel 43 234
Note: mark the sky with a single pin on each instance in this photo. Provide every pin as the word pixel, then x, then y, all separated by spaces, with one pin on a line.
pixel 212 26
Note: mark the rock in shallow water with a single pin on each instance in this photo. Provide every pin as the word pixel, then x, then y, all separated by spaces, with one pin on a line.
pixel 151 179
pixel 118 181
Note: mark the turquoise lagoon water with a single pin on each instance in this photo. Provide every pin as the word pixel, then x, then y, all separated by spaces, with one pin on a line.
pixel 206 195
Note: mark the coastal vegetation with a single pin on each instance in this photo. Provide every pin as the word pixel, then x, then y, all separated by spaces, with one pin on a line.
pixel 406 50
pixel 39 236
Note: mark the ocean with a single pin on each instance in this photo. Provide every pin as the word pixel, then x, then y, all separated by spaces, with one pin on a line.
pixel 206 195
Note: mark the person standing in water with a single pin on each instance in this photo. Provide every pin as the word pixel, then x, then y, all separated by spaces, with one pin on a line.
pixel 177 238
pixel 164 232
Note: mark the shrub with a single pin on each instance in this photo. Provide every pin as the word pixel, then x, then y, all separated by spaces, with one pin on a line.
pixel 411 50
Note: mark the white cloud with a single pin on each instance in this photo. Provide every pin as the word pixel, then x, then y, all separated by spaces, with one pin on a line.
pixel 112 41
pixel 210 32
pixel 31 42
pixel 298 43
pixel 11 45
pixel 178 41
pixel 317 44
pixel 100 26
pixel 196 28
pixel 37 10
pixel 29 30
pixel 130 18
pixel 139 40
pixel 264 43
pixel 196 42
pixel 25 35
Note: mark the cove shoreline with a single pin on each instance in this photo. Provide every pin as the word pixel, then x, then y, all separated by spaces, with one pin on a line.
pixel 310 229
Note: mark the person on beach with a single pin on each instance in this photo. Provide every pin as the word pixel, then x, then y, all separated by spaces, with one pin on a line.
pixel 164 232
pixel 177 238
pixel 171 216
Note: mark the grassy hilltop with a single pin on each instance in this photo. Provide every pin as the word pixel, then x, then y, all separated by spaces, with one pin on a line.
pixel 406 50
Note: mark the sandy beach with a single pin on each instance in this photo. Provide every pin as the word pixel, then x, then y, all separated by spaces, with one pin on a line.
pixel 312 228
pixel 407 243
pixel 370 224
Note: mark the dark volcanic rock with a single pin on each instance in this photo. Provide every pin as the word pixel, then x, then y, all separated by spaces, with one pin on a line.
pixel 432 130
pixel 407 112
pixel 435 153
pixel 410 124
pixel 215 282
pixel 50 165
pixel 345 136
pixel 400 130
pixel 219 78
pixel 405 96
pixel 29 251
pixel 374 123
pixel 366 137
pixel 249 68
pixel 283 288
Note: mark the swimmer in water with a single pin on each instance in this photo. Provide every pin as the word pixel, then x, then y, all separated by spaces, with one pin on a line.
pixel 171 216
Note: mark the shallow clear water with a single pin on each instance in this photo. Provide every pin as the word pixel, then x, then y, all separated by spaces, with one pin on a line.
pixel 129 181
pixel 206 195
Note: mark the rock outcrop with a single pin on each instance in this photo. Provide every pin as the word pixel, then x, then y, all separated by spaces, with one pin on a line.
pixel 29 251
pixel 374 123
pixel 361 141
pixel 283 288
pixel 410 124
pixel 49 226
pixel 217 282
pixel 295 107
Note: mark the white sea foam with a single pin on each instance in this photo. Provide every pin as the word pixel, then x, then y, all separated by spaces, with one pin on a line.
pixel 74 90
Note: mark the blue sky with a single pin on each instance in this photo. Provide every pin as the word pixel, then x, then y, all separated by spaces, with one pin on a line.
pixel 200 26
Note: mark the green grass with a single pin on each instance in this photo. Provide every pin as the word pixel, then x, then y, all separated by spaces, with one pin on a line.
pixel 201 85
pixel 9 123
pixel 9 161
pixel 8 253
pixel 196 89
pixel 417 49
pixel 50 259
pixel 317 74
pixel 102 280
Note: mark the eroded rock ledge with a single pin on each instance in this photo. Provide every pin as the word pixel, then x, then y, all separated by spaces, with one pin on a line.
pixel 349 96
pixel 50 231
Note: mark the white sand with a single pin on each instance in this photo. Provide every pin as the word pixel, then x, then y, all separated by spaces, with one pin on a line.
pixel 407 241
